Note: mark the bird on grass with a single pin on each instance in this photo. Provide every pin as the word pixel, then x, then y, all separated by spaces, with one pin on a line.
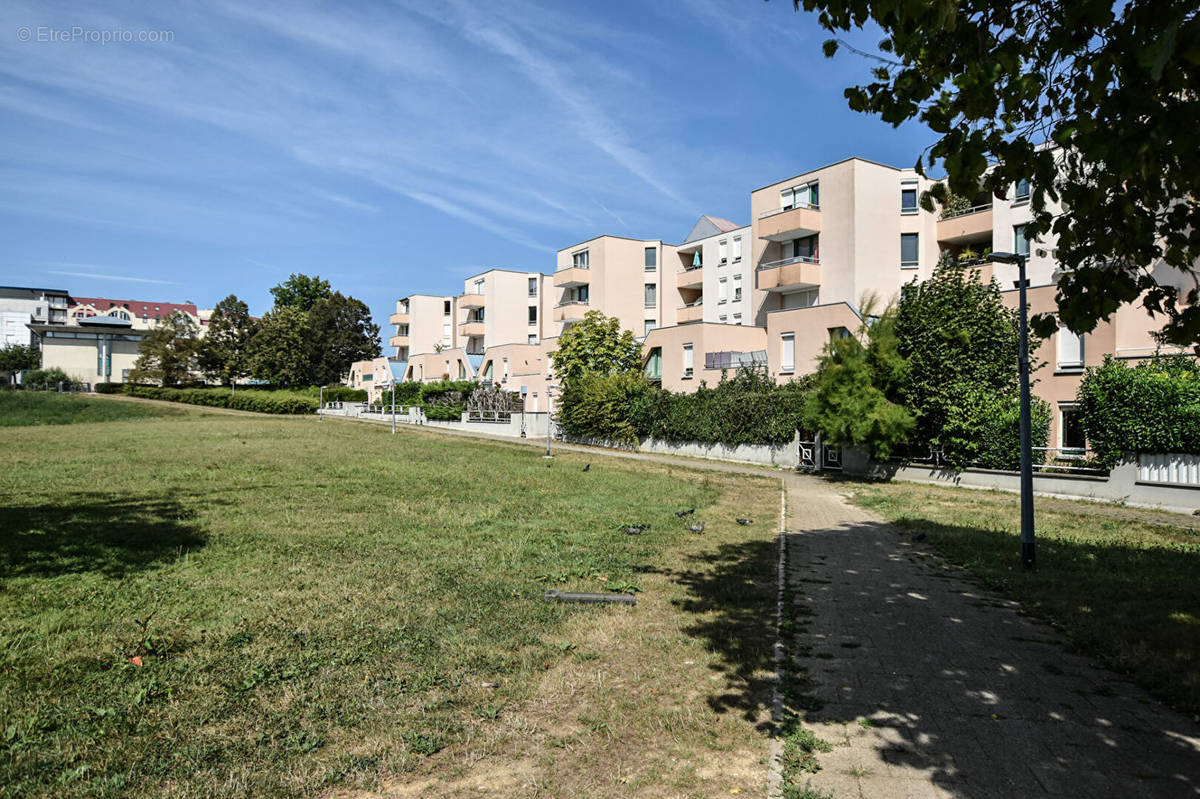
pixel 633 529
pixel 697 528
pixel 682 513
pixel 745 521
pixel 587 468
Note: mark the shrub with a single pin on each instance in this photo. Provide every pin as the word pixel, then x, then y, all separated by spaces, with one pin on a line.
pixel 277 402
pixel 48 380
pixel 108 388
pixel 446 392
pixel 984 429
pixel 345 394
pixel 445 413
pixel 602 406
pixel 1151 407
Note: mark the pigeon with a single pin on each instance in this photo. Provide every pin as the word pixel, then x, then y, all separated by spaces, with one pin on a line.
pixel 744 521
pixel 697 528
pixel 587 468
pixel 632 529
pixel 682 513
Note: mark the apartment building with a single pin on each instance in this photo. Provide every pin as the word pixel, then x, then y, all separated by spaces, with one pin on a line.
pixel 375 376
pixel 20 306
pixel 141 314
pixel 424 322
pixel 503 306
pixel 715 274
pixel 621 277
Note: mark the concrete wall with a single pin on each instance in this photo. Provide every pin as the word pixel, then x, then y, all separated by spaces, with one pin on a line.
pixel 528 425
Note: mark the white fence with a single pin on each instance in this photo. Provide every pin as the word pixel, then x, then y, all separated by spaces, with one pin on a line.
pixel 1181 470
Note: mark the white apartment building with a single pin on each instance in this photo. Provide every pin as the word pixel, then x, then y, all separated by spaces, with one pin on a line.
pixel 715 274
pixel 21 306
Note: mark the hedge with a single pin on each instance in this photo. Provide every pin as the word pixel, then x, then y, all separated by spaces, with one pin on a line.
pixel 445 413
pixel 108 388
pixel 277 402
pixel 1153 407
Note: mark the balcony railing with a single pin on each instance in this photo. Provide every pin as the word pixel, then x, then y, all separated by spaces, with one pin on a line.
pixel 795 259
pixel 974 209
pixel 571 302
pixel 812 206
pixel 571 266
pixel 692 268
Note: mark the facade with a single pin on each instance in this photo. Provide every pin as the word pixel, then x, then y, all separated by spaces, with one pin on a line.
pixel 141 315
pixel 520 368
pixel 98 349
pixel 683 356
pixel 375 376
pixel 502 306
pixel 619 276
pixel 423 323
pixel 715 274
pixel 453 363
pixel 21 306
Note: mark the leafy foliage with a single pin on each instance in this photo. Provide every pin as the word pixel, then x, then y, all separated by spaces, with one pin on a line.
pixel 342 333
pixel 281 350
pixel 300 292
pixel 19 357
pixel 1112 85
pixel 280 402
pixel 601 406
pixel 960 343
pixel 49 380
pixel 849 403
pixel 224 352
pixel 596 344
pixel 1152 407
pixel 167 354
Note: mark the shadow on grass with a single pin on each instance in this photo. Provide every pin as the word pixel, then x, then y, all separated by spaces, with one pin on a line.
pixel 734 600
pixel 94 533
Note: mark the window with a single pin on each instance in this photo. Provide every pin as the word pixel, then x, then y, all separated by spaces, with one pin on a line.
pixel 722 290
pixel 1070 349
pixel 722 317
pixel 446 308
pixel 910 254
pixel 479 286
pixel 737 249
pixel 580 260
pixel 533 281
pixel 651 258
pixel 908 198
pixel 687 361
pixel 807 248
pixel 533 338
pixel 578 294
pixel 737 318
pixel 654 364
pixel 1021 191
pixel 800 299
pixel 787 359
pixel 1020 243
pixel 533 314
pixel 651 296
pixel 837 333
pixel 723 249
pixel 806 196
pixel 648 325
pixel 504 379
pixel 737 288
pixel 462 371
pixel 1071 439
pixel 446 332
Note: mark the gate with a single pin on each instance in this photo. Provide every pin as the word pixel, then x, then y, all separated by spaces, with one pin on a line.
pixel 816 456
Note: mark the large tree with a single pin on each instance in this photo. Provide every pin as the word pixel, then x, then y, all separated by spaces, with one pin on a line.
pixel 300 292
pixel 342 333
pixel 19 357
pixel 167 354
pixel 1111 87
pixel 282 350
pixel 224 351
pixel 598 345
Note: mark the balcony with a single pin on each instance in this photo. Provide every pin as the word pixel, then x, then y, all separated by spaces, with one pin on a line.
pixel 570 311
pixel 692 312
pixel 472 299
pixel 791 273
pixel 399 319
pixel 791 223
pixel 572 276
pixel 473 327
pixel 398 341
pixel 690 278
pixel 972 225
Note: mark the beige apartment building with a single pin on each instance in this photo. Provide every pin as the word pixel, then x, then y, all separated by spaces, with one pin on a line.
pixel 619 276
pixel 424 322
pixel 375 376
pixel 503 306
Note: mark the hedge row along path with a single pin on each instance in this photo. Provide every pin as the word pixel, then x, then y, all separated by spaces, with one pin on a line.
pixel 927 685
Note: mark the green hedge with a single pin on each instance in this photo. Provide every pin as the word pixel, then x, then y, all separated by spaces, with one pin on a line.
pixel 747 409
pixel 278 402
pixel 445 413
pixel 108 388
pixel 1153 407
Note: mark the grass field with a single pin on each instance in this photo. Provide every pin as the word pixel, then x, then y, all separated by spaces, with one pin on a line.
pixel 1122 582
pixel 218 605
pixel 23 408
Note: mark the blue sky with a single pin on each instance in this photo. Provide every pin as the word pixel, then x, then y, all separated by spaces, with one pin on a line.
pixel 396 147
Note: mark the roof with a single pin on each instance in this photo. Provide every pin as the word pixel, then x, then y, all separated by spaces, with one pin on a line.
pixel 104 321
pixel 150 309
pixel 34 289
pixel 710 226
pixel 826 166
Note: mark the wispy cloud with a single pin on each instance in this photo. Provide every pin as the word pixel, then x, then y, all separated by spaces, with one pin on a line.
pixel 110 276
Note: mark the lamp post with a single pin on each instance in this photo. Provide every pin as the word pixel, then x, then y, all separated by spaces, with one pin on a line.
pixel 549 420
pixel 320 404
pixel 393 406
pixel 1028 553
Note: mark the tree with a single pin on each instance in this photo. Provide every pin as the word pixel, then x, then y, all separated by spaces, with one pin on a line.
pixel 960 343
pixel 596 344
pixel 224 351
pixel 300 292
pixel 342 333
pixel 19 357
pixel 850 401
pixel 167 354
pixel 1111 87
pixel 281 350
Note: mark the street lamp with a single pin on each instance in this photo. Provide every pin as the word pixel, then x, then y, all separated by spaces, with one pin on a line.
pixel 393 406
pixel 1028 559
